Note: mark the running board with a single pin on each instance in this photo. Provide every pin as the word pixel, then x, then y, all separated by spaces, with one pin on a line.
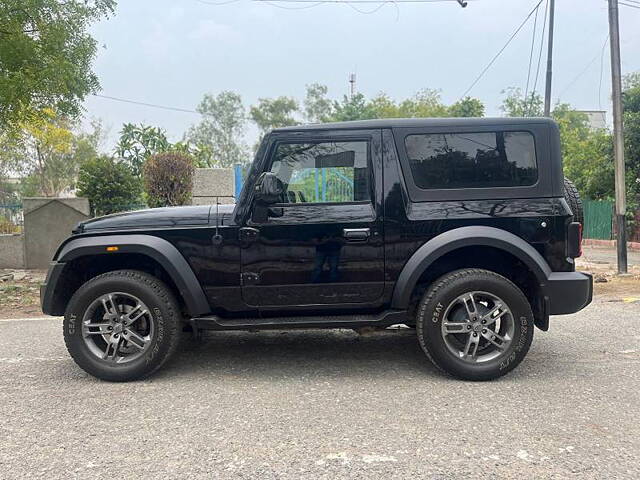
pixel 383 319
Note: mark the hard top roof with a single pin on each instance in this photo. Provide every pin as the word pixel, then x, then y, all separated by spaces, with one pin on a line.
pixel 417 123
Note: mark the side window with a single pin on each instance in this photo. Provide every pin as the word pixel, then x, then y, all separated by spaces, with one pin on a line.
pixel 323 172
pixel 472 160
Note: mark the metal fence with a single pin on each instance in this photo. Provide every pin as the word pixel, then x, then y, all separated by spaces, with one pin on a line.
pixel 11 218
pixel 598 219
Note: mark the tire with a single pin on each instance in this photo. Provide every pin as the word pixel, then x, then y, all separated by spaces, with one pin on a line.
pixel 492 349
pixel 572 196
pixel 135 343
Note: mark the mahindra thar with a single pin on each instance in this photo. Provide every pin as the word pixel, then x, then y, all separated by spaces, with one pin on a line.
pixel 463 229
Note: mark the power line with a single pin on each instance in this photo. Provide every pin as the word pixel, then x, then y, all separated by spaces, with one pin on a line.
pixel 501 50
pixel 533 44
pixel 535 83
pixel 601 72
pixel 144 104
pixel 629 5
pixel 583 71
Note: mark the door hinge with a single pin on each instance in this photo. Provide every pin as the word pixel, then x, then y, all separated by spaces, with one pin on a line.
pixel 249 278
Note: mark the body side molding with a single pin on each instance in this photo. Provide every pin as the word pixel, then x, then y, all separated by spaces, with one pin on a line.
pixel 156 248
pixel 465 237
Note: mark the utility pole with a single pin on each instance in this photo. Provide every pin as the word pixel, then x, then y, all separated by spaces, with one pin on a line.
pixel 547 92
pixel 618 138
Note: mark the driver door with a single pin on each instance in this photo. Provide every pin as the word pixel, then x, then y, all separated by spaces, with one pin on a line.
pixel 322 244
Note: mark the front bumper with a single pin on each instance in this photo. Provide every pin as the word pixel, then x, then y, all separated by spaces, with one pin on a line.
pixel 568 292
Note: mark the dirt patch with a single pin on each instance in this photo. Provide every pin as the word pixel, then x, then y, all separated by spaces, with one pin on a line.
pixel 20 293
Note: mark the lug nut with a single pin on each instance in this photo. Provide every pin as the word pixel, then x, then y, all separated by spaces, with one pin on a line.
pixel 468 327
pixel 484 331
pixel 475 334
pixel 484 321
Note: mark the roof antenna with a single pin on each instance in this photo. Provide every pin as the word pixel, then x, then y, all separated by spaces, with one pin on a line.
pixel 462 3
pixel 217 238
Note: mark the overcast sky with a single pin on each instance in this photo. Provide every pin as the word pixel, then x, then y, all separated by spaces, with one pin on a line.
pixel 173 52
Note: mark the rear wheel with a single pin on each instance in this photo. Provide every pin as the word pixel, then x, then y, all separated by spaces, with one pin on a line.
pixel 122 325
pixel 474 324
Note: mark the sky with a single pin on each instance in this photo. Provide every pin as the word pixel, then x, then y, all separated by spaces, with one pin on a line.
pixel 173 52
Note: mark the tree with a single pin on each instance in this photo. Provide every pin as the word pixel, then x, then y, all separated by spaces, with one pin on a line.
pixel 467 107
pixel 515 105
pixel 168 179
pixel 631 108
pixel 273 113
pixel 46 56
pixel 424 104
pixel 317 107
pixel 587 154
pixel 138 142
pixel 221 129
pixel 355 107
pixel 50 154
pixel 109 185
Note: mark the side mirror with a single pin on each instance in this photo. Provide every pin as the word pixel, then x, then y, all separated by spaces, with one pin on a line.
pixel 269 188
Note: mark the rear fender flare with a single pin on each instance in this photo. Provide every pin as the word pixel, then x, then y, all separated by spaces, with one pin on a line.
pixel 461 237
pixel 155 248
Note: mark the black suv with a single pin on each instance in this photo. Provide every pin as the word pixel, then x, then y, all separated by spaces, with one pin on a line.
pixel 463 229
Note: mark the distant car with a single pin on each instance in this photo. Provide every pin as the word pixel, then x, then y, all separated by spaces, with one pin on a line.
pixel 458 227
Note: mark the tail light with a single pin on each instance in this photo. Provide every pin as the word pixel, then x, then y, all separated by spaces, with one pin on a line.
pixel 574 240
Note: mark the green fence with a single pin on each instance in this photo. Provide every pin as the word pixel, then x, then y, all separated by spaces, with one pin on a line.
pixel 598 215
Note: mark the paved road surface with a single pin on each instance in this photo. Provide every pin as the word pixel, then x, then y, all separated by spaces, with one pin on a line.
pixel 327 405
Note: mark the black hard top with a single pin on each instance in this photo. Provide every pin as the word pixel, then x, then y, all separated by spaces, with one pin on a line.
pixel 418 122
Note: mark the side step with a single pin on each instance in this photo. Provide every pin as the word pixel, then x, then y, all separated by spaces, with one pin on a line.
pixel 386 318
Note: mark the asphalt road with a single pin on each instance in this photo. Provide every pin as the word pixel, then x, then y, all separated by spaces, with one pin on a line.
pixel 327 405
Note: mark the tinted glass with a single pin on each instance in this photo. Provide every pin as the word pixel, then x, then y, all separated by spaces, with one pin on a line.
pixel 472 160
pixel 323 172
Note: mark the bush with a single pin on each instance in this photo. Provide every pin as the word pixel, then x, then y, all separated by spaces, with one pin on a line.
pixel 110 186
pixel 168 179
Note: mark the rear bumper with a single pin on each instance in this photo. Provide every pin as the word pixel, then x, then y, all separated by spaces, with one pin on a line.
pixel 568 292
pixel 47 289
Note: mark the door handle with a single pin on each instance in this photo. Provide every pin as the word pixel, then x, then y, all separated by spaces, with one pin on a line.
pixel 356 234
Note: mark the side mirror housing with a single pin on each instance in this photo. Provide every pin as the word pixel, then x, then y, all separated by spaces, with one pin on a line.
pixel 268 188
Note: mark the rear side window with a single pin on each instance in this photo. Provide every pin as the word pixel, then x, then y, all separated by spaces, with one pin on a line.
pixel 472 160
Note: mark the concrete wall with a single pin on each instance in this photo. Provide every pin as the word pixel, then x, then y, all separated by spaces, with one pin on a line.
pixel 47 222
pixel 209 183
pixel 12 251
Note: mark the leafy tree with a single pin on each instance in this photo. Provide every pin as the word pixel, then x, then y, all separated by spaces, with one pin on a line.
pixel 138 142
pixel 515 105
pixel 317 107
pixel 355 107
pixel 109 185
pixel 45 57
pixel 219 133
pixel 51 154
pixel 631 107
pixel 168 179
pixel 426 103
pixel 467 107
pixel 587 153
pixel 273 113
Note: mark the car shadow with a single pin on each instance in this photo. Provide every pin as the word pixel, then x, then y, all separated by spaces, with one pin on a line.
pixel 301 353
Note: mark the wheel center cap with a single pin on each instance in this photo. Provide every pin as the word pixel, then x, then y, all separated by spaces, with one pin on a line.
pixel 477 327
pixel 117 328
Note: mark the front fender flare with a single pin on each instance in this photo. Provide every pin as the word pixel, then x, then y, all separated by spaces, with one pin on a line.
pixel 461 237
pixel 156 248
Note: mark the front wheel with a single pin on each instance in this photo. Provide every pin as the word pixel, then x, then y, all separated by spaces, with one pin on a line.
pixel 474 324
pixel 122 325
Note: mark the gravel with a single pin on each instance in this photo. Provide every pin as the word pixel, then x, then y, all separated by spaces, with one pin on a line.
pixel 326 405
